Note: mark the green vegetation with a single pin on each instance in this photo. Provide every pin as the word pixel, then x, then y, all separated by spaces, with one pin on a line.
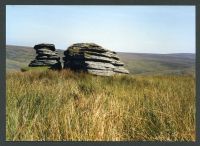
pixel 160 64
pixel 51 105
pixel 24 69
pixel 145 64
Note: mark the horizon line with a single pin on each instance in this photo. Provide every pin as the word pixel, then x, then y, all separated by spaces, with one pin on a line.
pixel 118 51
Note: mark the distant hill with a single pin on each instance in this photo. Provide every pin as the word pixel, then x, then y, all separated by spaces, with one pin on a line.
pixel 20 56
pixel 136 63
pixel 180 63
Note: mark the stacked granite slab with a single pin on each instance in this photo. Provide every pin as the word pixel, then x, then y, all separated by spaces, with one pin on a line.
pixel 46 56
pixel 93 59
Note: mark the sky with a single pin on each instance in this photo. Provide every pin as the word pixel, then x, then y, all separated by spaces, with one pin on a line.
pixel 138 29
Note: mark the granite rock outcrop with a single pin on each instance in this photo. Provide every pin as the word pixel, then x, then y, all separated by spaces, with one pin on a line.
pixel 94 59
pixel 46 56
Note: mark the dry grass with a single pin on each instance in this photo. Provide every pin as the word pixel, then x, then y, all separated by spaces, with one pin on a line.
pixel 50 105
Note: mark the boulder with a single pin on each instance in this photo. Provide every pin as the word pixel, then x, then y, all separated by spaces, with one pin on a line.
pixel 93 59
pixel 46 56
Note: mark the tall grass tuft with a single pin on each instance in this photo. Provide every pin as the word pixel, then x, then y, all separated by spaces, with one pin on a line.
pixel 54 106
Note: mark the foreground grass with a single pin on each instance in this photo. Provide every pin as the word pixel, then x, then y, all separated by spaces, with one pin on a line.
pixel 24 69
pixel 49 105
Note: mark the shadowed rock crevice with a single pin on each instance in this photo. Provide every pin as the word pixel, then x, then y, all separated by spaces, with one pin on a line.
pixel 93 59
pixel 46 56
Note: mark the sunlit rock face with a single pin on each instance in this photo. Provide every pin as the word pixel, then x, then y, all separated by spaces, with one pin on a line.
pixel 94 59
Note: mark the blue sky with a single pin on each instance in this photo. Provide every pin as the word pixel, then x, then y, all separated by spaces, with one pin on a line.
pixel 139 29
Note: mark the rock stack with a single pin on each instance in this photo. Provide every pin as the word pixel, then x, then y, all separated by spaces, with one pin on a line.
pixel 46 56
pixel 93 59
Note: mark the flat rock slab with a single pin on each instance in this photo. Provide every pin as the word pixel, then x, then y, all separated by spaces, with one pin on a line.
pixel 117 63
pixel 47 58
pixel 83 57
pixel 90 52
pixel 46 46
pixel 100 72
pixel 99 65
pixel 86 47
pixel 47 62
pixel 46 53
pixel 44 50
pixel 98 59
pixel 105 54
pixel 121 70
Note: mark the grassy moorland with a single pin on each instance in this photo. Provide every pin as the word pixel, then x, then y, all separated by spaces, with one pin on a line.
pixel 51 105
pixel 18 57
